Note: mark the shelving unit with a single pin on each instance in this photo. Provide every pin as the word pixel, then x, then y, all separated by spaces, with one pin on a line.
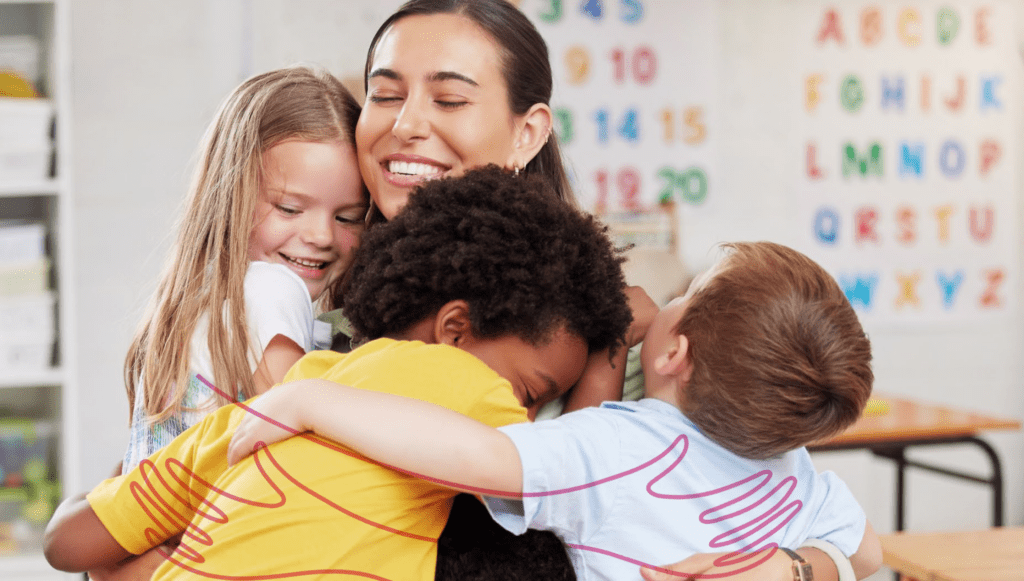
pixel 46 394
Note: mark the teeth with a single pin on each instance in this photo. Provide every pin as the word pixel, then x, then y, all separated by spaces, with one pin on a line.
pixel 306 263
pixel 413 169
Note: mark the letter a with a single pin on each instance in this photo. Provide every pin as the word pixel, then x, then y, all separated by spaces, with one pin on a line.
pixel 830 28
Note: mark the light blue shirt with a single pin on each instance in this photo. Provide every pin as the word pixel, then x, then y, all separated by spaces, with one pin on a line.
pixel 640 484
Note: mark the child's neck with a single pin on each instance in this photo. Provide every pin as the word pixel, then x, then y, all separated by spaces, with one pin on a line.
pixel 662 388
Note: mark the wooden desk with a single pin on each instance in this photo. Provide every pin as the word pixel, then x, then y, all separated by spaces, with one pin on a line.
pixel 909 423
pixel 989 555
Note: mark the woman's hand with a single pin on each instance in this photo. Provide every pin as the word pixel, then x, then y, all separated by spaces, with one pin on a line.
pixel 770 565
pixel 270 418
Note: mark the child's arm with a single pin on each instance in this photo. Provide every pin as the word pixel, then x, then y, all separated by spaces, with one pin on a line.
pixel 604 374
pixel 410 435
pixel 76 540
pixel 278 357
pixel 868 557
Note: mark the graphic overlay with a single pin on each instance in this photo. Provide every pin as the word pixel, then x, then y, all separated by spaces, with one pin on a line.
pixel 753 510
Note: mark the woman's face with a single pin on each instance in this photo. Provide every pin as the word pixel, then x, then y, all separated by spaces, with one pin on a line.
pixel 436 105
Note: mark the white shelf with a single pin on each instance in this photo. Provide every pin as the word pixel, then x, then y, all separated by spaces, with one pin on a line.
pixel 38 188
pixel 43 378
pixel 31 567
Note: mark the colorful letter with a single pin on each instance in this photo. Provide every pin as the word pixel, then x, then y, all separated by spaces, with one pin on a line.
pixel 982 233
pixel 826 226
pixel 926 93
pixel 871 26
pixel 892 93
pixel 830 28
pixel 866 219
pixel 981 26
pixel 911 159
pixel 905 223
pixel 859 289
pixel 948 25
pixel 988 93
pixel 813 171
pixel 870 163
pixel 957 101
pixel 851 94
pixel 990 154
pixel 908 28
pixel 990 298
pixel 908 289
pixel 942 214
pixel 949 286
pixel 952 159
pixel 811 102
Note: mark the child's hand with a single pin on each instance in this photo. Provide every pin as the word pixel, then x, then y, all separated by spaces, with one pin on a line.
pixel 269 418
pixel 644 310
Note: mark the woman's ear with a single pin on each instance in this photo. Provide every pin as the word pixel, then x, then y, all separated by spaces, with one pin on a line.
pixel 534 129
pixel 676 361
pixel 452 325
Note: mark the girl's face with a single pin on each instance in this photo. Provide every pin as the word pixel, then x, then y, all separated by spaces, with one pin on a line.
pixel 436 105
pixel 310 211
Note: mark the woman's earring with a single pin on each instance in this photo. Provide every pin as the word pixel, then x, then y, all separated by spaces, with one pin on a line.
pixel 515 172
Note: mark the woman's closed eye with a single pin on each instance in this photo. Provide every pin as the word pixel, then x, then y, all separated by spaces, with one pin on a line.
pixel 450 104
pixel 287 210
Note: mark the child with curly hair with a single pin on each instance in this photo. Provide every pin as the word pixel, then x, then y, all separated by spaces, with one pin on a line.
pixel 762 356
pixel 485 295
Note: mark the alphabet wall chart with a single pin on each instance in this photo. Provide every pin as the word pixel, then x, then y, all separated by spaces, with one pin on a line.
pixel 634 80
pixel 910 116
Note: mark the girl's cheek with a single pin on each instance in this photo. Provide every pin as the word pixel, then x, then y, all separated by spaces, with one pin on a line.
pixel 349 240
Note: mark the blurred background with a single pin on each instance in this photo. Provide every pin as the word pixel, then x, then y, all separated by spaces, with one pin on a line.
pixel 883 139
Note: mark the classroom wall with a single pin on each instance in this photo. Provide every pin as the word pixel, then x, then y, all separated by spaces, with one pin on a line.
pixel 148 77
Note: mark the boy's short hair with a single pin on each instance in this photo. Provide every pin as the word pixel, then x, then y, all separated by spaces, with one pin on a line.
pixel 779 357
pixel 526 262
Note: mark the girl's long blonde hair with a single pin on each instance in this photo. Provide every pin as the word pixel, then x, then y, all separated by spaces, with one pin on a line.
pixel 205 272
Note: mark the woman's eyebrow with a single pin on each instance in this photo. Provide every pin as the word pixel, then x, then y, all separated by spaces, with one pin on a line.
pixel 451 76
pixel 386 73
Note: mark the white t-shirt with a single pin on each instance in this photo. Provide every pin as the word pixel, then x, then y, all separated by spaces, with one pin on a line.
pixel 277 302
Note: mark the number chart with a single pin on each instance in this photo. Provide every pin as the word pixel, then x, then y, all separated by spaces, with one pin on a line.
pixel 635 85
pixel 908 180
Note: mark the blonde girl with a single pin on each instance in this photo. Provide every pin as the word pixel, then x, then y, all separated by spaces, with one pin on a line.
pixel 271 221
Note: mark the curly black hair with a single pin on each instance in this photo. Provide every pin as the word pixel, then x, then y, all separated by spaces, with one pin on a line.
pixel 526 263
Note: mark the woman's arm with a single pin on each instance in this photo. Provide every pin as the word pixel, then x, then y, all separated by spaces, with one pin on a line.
pixel 278 357
pixel 460 452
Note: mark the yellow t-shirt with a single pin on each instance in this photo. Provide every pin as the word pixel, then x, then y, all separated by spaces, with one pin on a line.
pixel 304 504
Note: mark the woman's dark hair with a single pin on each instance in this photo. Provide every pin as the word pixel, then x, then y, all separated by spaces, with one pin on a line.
pixel 525 67
pixel 526 262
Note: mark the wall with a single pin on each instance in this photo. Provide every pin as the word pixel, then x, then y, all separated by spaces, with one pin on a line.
pixel 147 79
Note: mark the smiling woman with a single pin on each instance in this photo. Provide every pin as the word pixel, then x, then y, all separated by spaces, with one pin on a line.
pixel 479 96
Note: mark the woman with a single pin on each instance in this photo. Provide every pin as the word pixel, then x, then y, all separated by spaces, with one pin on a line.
pixel 454 84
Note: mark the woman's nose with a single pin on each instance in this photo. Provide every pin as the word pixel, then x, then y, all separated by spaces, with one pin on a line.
pixel 411 122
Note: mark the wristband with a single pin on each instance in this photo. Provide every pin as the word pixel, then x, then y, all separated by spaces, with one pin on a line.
pixel 842 562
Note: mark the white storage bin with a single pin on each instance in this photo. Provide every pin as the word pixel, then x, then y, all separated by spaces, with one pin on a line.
pixel 22 241
pixel 20 53
pixel 25 164
pixel 25 356
pixel 25 123
pixel 29 316
pixel 24 277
